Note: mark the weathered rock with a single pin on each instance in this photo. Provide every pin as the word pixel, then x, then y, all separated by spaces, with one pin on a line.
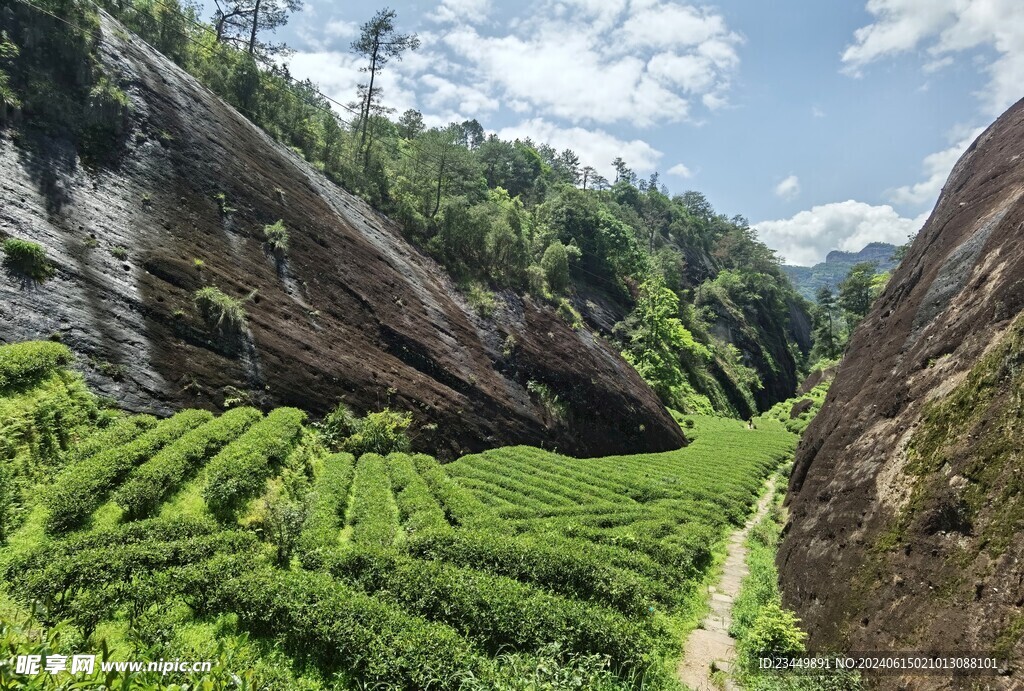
pixel 352 312
pixel 906 528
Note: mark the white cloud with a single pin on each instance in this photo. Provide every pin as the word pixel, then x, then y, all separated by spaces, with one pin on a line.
pixel 691 73
pixel 943 28
pixel 593 62
pixel 937 167
pixel 788 189
pixel 680 171
pixel 464 99
pixel 808 236
pixel 596 148
pixel 339 28
pixel 817 112
pixel 337 75
pixel 665 25
pixel 461 11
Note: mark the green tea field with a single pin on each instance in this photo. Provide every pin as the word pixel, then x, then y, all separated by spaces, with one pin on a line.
pixel 239 538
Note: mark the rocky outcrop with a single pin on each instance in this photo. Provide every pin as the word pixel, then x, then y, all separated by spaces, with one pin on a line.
pixel 906 527
pixel 350 311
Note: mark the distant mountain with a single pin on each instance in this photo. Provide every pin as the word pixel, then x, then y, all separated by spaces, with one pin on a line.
pixel 808 280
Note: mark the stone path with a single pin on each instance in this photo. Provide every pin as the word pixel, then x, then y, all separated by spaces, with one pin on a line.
pixel 711 648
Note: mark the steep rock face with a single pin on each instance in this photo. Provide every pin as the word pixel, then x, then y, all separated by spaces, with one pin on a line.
pixel 351 311
pixel 907 499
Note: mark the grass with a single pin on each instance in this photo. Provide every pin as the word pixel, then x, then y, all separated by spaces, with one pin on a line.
pixel 219 310
pixel 27 258
pixel 276 237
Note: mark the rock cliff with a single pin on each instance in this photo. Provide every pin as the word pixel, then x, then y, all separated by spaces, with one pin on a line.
pixel 906 529
pixel 350 311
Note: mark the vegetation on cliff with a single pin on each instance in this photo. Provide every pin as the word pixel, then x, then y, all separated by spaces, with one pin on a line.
pixel 499 215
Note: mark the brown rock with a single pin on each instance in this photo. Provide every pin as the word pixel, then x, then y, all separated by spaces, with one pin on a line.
pixel 352 312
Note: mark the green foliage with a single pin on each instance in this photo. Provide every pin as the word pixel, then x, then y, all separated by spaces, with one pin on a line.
pixel 496 611
pixel 373 513
pixel 828 338
pixel 219 310
pixel 26 258
pixel 855 292
pixel 330 501
pixel 151 482
pixel 572 567
pixel 276 236
pixel 382 432
pixel 117 433
pixel 243 467
pixel 83 485
pixel 549 400
pixel 481 300
pixel 555 264
pixel 783 412
pixel 329 624
pixel 775 632
pixel 418 511
pixel 22 364
pixel 658 344
pixel 500 570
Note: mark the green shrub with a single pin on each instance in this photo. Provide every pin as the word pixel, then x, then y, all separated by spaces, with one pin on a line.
pixel 481 300
pixel 325 622
pixel 461 507
pixel 417 508
pixel 275 236
pixel 499 612
pixel 571 568
pixel 555 264
pixel 92 584
pixel 382 433
pixel 241 470
pixel 118 432
pixel 373 515
pixel 330 500
pixel 27 258
pixel 81 487
pixel 26 363
pixel 37 427
pixel 220 310
pixel 337 426
pixel 775 633
pixel 148 484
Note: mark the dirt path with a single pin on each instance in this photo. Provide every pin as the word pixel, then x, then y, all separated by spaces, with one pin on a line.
pixel 710 647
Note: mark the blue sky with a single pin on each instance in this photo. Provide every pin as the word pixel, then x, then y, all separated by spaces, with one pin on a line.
pixel 827 124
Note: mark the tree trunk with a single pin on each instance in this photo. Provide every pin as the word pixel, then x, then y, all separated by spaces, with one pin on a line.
pixel 440 180
pixel 255 26
pixel 369 103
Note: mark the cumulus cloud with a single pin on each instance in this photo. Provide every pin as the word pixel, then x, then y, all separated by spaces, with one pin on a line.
pixel 605 62
pixel 788 189
pixel 596 148
pixel 937 167
pixel 680 171
pixel 461 11
pixel 807 237
pixel 942 29
pixel 337 74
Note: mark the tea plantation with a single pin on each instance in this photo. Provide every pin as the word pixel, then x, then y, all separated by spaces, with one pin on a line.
pixel 240 539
